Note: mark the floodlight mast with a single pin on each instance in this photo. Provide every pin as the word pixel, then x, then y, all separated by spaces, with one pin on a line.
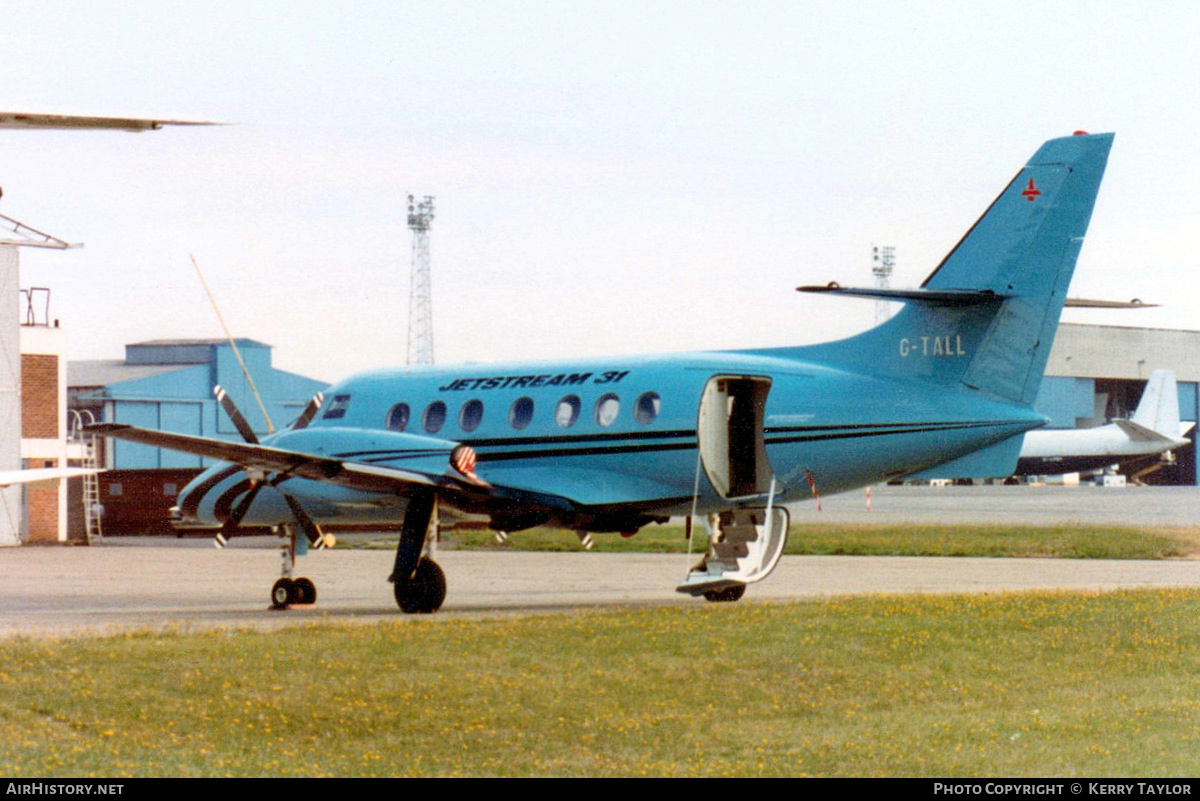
pixel 420 298
pixel 883 262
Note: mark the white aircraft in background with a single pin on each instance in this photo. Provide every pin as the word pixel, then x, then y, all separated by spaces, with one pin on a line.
pixel 1153 429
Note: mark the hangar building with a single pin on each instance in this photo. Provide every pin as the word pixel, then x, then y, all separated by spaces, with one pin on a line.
pixel 1096 373
pixel 168 385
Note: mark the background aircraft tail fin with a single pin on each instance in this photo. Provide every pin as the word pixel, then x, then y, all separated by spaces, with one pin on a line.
pixel 1158 410
pixel 986 317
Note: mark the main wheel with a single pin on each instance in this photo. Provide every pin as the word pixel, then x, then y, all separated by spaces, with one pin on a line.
pixel 283 594
pixel 729 594
pixel 424 592
pixel 306 591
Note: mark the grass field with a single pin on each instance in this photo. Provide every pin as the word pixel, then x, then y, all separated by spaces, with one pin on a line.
pixel 1095 542
pixel 1035 684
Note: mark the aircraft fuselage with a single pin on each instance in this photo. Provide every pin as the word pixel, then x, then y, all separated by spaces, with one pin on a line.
pixel 621 436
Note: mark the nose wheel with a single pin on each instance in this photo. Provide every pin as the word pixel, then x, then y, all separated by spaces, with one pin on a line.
pixel 287 592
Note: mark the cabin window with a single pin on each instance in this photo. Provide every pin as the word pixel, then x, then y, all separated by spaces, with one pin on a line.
pixel 645 410
pixel 520 413
pixel 471 415
pixel 397 417
pixel 567 411
pixel 434 417
pixel 606 409
pixel 337 407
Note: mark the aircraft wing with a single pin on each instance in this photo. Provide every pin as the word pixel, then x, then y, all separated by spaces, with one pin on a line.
pixel 34 119
pixel 48 476
pixel 342 472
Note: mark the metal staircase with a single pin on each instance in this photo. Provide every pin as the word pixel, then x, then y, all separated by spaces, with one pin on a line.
pixel 92 510
pixel 744 546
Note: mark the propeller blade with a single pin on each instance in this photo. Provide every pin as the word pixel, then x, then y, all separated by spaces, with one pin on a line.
pixel 231 524
pixel 235 416
pixel 311 530
pixel 310 411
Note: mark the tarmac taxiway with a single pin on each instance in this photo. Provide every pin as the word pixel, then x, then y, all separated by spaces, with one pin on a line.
pixel 167 583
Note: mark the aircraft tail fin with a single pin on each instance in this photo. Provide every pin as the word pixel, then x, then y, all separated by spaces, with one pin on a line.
pixel 1158 410
pixel 986 317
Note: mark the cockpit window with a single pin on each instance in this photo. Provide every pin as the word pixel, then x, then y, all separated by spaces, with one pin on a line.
pixel 434 417
pixel 397 417
pixel 336 408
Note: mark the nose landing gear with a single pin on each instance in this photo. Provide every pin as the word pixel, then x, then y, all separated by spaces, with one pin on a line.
pixel 288 591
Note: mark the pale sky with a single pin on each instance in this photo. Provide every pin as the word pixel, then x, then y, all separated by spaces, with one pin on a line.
pixel 611 177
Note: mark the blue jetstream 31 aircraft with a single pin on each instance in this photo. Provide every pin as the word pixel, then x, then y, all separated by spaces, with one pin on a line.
pixel 944 388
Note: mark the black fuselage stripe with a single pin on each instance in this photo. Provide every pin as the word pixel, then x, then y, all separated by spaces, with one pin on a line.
pixel 810 433
pixel 551 453
pixel 574 438
pixel 494 456
pixel 910 430
pixel 224 503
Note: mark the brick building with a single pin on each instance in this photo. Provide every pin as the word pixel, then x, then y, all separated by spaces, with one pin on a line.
pixel 44 429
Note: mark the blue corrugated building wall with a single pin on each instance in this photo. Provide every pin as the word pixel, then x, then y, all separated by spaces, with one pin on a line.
pixel 168 385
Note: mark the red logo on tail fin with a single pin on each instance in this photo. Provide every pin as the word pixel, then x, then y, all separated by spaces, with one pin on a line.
pixel 1031 191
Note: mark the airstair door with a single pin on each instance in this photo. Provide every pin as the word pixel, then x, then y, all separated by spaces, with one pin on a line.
pixel 730 432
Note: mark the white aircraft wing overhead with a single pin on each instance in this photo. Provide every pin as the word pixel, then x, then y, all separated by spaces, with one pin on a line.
pixel 34 119
pixel 43 475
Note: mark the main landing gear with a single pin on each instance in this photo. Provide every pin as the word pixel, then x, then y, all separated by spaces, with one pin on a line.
pixel 419 584
pixel 424 592
pixel 288 591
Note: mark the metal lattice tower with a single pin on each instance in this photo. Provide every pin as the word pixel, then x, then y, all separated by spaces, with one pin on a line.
pixel 883 261
pixel 420 298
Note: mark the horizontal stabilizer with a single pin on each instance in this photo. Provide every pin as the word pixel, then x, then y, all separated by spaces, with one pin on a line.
pixel 1087 303
pixel 994 461
pixel 936 297
pixel 1139 433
